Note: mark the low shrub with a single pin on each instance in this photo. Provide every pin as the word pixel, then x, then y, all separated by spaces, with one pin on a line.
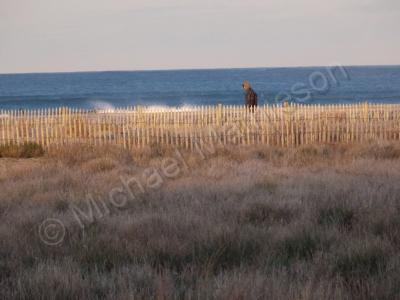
pixel 360 263
pixel 340 216
pixel 386 227
pixel 220 253
pixel 26 150
pixel 298 246
pixel 378 151
pixel 95 251
pixel 259 213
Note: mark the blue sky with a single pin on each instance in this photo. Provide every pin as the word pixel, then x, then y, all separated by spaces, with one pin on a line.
pixel 88 35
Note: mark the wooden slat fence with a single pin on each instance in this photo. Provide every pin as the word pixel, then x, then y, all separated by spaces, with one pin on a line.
pixel 287 125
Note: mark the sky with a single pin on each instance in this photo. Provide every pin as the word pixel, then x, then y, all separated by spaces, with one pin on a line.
pixel 100 35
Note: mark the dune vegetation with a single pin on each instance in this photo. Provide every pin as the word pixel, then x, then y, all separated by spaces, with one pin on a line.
pixel 315 222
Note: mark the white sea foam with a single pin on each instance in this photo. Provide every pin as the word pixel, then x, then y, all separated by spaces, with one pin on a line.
pixel 155 108
pixel 105 107
pixel 187 107
pixel 102 105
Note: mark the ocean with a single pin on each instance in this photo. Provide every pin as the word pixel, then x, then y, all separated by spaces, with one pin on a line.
pixel 103 90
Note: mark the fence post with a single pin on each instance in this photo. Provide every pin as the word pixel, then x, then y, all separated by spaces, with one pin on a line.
pixel 140 116
pixel 219 115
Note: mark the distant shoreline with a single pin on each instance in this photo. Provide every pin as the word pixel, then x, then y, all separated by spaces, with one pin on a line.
pixel 195 69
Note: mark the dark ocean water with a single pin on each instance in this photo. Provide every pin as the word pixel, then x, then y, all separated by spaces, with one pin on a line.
pixel 196 87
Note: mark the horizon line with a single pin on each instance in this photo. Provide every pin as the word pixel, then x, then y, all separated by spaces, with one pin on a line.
pixel 197 69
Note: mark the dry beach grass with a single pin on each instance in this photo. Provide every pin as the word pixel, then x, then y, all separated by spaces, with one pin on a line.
pixel 317 222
